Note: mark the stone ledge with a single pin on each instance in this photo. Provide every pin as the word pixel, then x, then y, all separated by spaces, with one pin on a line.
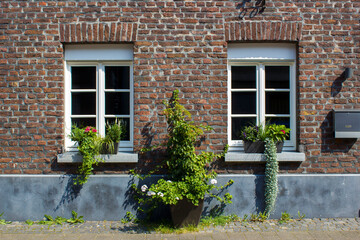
pixel 121 157
pixel 259 157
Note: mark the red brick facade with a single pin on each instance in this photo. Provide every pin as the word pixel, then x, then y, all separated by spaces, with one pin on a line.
pixel 177 45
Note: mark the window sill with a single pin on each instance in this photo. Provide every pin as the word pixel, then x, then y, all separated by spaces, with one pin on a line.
pixel 259 157
pixel 121 157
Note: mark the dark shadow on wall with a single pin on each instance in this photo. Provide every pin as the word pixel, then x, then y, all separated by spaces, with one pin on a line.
pixel 329 143
pixel 337 85
pixel 131 195
pixel 259 193
pixel 71 192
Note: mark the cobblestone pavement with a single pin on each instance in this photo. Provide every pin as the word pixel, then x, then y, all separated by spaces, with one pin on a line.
pixel 339 228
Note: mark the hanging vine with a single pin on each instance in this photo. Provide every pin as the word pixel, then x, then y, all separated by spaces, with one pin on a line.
pixel 271 170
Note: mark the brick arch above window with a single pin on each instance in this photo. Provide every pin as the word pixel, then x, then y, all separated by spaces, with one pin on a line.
pixel 263 31
pixel 98 32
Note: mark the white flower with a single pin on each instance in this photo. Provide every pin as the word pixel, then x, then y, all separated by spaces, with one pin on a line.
pixel 169 181
pixel 177 198
pixel 144 188
pixel 151 193
pixel 160 194
pixel 213 181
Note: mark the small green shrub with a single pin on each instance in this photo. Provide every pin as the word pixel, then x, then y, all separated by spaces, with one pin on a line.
pixel 300 216
pixel 3 221
pixel 49 220
pixel 129 217
pixel 285 217
pixel 29 222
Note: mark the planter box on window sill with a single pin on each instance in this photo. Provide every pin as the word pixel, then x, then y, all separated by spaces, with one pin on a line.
pixel 121 157
pixel 259 157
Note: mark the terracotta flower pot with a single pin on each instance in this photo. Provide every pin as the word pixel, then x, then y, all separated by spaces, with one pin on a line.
pixel 185 213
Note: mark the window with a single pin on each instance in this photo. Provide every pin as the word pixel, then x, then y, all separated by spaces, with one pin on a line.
pixel 97 92
pixel 261 89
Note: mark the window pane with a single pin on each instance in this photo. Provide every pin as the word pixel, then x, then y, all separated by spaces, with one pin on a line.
pixel 124 122
pixel 117 103
pixel 83 103
pixel 83 77
pixel 279 121
pixel 277 77
pixel 277 103
pixel 243 103
pixel 83 122
pixel 238 124
pixel 117 77
pixel 243 77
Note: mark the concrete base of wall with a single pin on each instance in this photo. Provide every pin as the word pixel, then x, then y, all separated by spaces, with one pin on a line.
pixel 107 197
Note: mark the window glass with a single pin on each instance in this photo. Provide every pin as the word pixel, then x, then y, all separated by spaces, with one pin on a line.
pixel 125 122
pixel 83 77
pixel 238 124
pixel 277 103
pixel 83 103
pixel 117 103
pixel 277 77
pixel 117 77
pixel 243 103
pixel 243 77
pixel 279 121
pixel 83 122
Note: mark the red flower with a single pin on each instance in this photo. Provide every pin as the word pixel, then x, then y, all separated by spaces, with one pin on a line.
pixel 283 131
pixel 94 130
pixel 87 129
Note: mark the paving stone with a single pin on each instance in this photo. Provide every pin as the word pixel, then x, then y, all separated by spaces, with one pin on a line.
pixel 270 236
pixel 253 235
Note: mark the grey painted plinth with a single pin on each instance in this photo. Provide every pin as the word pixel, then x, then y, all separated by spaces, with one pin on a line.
pixel 107 197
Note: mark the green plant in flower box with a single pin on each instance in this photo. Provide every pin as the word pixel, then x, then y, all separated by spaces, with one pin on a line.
pixel 89 145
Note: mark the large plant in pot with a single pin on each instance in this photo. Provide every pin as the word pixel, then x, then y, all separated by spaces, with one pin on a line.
pixel 189 177
pixel 254 137
pixel 111 142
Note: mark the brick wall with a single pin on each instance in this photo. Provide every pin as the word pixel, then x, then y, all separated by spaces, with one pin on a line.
pixel 177 45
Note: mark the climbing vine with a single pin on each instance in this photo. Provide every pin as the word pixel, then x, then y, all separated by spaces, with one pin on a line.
pixel 271 170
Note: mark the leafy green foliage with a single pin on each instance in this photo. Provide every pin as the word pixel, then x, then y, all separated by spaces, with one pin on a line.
pixel 166 227
pixel 29 222
pixel 189 174
pixel 75 218
pixel 89 146
pixel 3 221
pixel 260 217
pixel 285 217
pixel 271 170
pixel 300 215
pixel 49 220
pixel 114 131
pixel 277 133
pixel 129 217
pixel 253 133
pixel 221 220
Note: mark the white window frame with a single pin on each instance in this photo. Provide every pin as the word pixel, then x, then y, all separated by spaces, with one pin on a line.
pixel 289 145
pixel 100 101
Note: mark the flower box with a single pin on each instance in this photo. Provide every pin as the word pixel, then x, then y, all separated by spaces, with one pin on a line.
pixel 259 147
